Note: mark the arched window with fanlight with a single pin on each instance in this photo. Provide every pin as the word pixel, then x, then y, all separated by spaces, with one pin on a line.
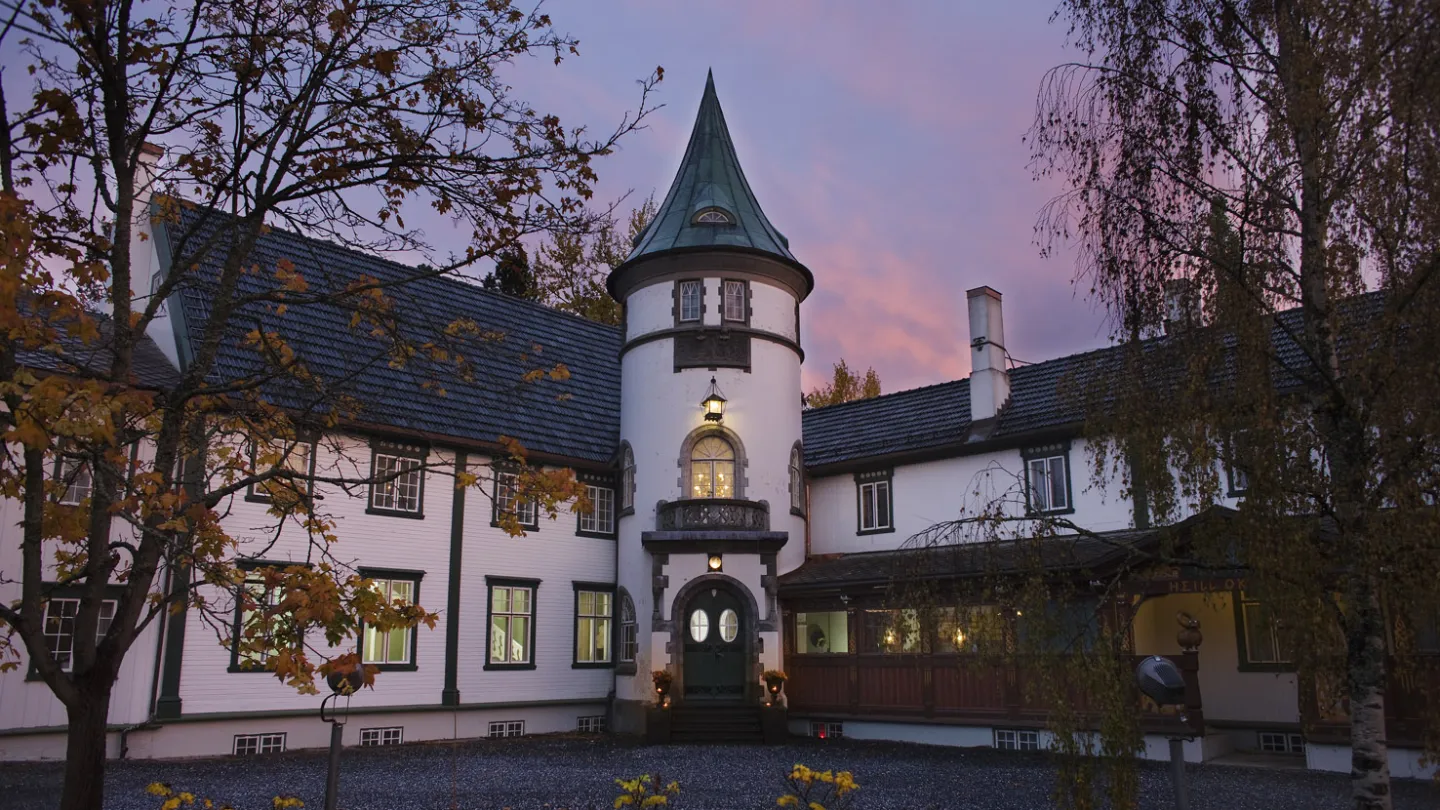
pixel 797 480
pixel 712 468
pixel 627 478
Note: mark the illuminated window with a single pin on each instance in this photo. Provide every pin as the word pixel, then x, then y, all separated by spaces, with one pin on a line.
pixel 729 625
pixel 699 625
pixel 391 646
pixel 512 617
pixel 712 469
pixel 592 626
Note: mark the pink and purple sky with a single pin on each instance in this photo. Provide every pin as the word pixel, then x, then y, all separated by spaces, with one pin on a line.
pixel 883 139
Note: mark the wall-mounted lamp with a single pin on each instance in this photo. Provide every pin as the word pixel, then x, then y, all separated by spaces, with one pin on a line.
pixel 714 403
pixel 715 563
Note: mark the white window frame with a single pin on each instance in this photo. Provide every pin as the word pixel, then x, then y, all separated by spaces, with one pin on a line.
pixel 272 742
pixel 79 482
pixel 390 735
pixel 402 494
pixel 374 639
pixel 824 730
pixel 595 626
pixel 732 301
pixel 264 597
pixel 1017 739
pixel 510 614
pixel 1040 487
pixel 691 301
pixel 627 479
pixel 797 480
pixel 873 494
pixel 601 517
pixel 302 452
pixel 507 501
pixel 60 613
pixel 629 629
pixel 590 724
pixel 505 728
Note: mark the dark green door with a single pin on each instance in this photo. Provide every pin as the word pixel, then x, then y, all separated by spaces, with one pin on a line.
pixel 714 647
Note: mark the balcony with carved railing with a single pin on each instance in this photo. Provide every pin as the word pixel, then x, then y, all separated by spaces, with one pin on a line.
pixel 712 514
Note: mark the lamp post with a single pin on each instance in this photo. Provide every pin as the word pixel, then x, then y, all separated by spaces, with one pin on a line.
pixel 342 684
pixel 1162 682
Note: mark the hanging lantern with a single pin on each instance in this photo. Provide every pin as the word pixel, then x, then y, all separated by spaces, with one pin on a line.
pixel 713 404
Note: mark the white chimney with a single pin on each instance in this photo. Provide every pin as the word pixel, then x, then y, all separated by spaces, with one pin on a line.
pixel 1182 305
pixel 989 380
pixel 145 266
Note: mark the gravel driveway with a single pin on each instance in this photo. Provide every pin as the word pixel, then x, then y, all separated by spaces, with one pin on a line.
pixel 549 773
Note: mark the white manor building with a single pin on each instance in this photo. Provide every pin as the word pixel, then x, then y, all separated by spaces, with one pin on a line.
pixel 719 547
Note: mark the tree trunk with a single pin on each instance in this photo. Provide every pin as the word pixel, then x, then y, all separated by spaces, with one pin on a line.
pixel 84 787
pixel 1369 751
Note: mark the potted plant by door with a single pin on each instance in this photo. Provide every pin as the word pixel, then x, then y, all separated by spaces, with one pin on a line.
pixel 657 718
pixel 773 715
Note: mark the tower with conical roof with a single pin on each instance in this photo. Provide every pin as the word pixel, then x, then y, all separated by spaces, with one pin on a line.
pixel 713 497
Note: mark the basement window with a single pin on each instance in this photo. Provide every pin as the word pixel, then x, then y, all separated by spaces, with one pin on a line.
pixel 250 744
pixel 1009 739
pixel 507 728
pixel 592 724
pixel 827 731
pixel 393 735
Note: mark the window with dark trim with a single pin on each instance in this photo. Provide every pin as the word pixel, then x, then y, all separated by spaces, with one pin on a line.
pixel 629 641
pixel 690 301
pixel 298 458
pixel 735 301
pixel 61 609
pixel 1263 647
pixel 510 623
pixel 255 601
pixel 797 480
pixel 397 481
pixel 627 479
pixel 874 507
pixel 1047 480
pixel 392 649
pixel 594 624
pixel 508 501
pixel 74 473
pixel 600 520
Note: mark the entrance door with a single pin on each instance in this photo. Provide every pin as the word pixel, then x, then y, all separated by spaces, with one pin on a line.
pixel 714 647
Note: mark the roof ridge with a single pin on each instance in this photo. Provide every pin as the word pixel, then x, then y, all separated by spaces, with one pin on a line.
pixel 836 405
pixel 446 277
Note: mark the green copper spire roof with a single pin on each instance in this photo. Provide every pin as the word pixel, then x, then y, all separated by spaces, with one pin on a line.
pixel 710 205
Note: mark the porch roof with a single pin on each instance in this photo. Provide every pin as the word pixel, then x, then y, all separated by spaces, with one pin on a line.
pixel 1070 553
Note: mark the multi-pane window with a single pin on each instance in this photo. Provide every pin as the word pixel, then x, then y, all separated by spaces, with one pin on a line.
pixel 1281 742
pixel 601 517
pixel 295 459
pixel 397 483
pixel 393 735
pixel 692 296
pixel 1263 642
pixel 255 604
pixel 875 505
pixel 591 724
pixel 827 731
pixel 59 628
pixel 797 480
pixel 734 301
pixel 627 478
pixel 1048 489
pixel 507 728
pixel 592 626
pixel 509 502
pixel 247 744
pixel 629 643
pixel 1017 739
pixel 712 469
pixel 390 646
pixel 512 610
pixel 75 474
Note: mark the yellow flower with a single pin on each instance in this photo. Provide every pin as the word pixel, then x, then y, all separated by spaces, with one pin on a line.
pixel 188 798
pixel 816 806
pixel 621 801
pixel 788 800
pixel 158 789
pixel 171 803
pixel 654 801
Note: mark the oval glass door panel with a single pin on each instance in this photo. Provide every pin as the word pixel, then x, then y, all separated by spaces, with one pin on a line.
pixel 699 625
pixel 729 625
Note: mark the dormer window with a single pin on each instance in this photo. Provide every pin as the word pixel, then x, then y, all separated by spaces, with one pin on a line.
pixel 714 216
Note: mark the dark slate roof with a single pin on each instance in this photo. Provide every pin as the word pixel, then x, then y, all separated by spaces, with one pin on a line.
pixel 577 418
pixel 1043 396
pixel 710 176
pixel 1077 553
pixel 69 354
